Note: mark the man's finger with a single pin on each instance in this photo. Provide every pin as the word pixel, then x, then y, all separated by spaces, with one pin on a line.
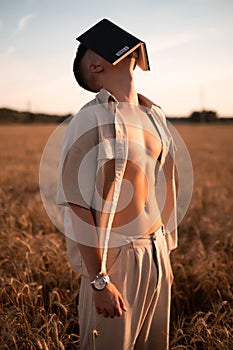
pixel 105 314
pixel 118 312
pixel 98 310
pixel 111 311
pixel 122 303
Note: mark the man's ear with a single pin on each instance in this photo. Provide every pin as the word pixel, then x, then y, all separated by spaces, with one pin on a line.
pixel 95 68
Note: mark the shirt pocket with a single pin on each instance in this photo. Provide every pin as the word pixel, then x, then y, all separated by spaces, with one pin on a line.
pixel 106 149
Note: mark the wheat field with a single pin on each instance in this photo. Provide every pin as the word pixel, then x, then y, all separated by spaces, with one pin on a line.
pixel 38 290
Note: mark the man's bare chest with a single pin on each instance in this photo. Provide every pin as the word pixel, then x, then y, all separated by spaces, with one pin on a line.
pixel 142 135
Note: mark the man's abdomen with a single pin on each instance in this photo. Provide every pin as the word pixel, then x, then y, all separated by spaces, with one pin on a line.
pixel 137 211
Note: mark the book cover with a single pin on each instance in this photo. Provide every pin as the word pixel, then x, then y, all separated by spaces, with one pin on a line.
pixel 113 43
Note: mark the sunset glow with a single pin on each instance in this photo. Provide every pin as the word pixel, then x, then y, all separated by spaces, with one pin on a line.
pixel 189 45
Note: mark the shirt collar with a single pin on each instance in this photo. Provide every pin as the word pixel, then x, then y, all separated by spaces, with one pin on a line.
pixel 104 96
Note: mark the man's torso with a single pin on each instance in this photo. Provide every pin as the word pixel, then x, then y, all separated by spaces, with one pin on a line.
pixel 137 211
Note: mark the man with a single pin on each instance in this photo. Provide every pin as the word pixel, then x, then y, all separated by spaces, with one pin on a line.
pixel 117 183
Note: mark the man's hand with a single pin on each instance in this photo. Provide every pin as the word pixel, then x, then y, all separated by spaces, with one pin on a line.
pixel 109 302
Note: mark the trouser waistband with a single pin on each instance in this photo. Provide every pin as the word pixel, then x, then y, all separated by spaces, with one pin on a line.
pixel 157 232
pixel 119 240
pixel 144 240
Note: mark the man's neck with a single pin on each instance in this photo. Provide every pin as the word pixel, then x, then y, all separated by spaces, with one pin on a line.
pixel 123 90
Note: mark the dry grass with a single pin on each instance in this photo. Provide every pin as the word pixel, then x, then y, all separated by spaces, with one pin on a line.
pixel 38 289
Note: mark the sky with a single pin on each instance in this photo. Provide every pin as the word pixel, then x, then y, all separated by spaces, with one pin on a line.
pixel 189 43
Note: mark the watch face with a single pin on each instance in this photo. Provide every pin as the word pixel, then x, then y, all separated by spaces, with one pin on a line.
pixel 100 282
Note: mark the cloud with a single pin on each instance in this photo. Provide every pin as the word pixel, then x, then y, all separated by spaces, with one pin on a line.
pixel 24 20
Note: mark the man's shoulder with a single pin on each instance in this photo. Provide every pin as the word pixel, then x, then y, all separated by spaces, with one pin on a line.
pixel 89 104
pixel 91 108
pixel 85 113
pixel 81 122
pixel 91 115
pixel 152 107
pixel 95 112
pixel 159 111
pixel 146 102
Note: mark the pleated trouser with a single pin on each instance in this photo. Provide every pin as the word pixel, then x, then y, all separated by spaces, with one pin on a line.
pixel 140 271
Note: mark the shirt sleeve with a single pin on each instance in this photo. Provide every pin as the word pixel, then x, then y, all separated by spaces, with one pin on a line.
pixel 171 224
pixel 77 166
pixel 171 200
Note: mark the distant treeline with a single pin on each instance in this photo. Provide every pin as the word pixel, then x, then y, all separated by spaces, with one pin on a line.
pixel 9 116
pixel 202 117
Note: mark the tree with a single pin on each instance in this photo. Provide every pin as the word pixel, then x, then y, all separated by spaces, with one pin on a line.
pixel 203 116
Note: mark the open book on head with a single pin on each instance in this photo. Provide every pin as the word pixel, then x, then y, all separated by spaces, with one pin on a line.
pixel 113 43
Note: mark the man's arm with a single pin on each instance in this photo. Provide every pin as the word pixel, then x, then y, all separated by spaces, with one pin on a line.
pixel 169 210
pixel 91 253
pixel 169 215
pixel 109 301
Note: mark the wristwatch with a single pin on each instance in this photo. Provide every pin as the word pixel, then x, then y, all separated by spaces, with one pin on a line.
pixel 100 282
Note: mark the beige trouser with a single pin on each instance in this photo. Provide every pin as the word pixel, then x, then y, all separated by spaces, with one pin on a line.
pixel 140 270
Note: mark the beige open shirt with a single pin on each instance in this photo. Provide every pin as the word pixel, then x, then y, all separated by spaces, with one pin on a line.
pixel 96 134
